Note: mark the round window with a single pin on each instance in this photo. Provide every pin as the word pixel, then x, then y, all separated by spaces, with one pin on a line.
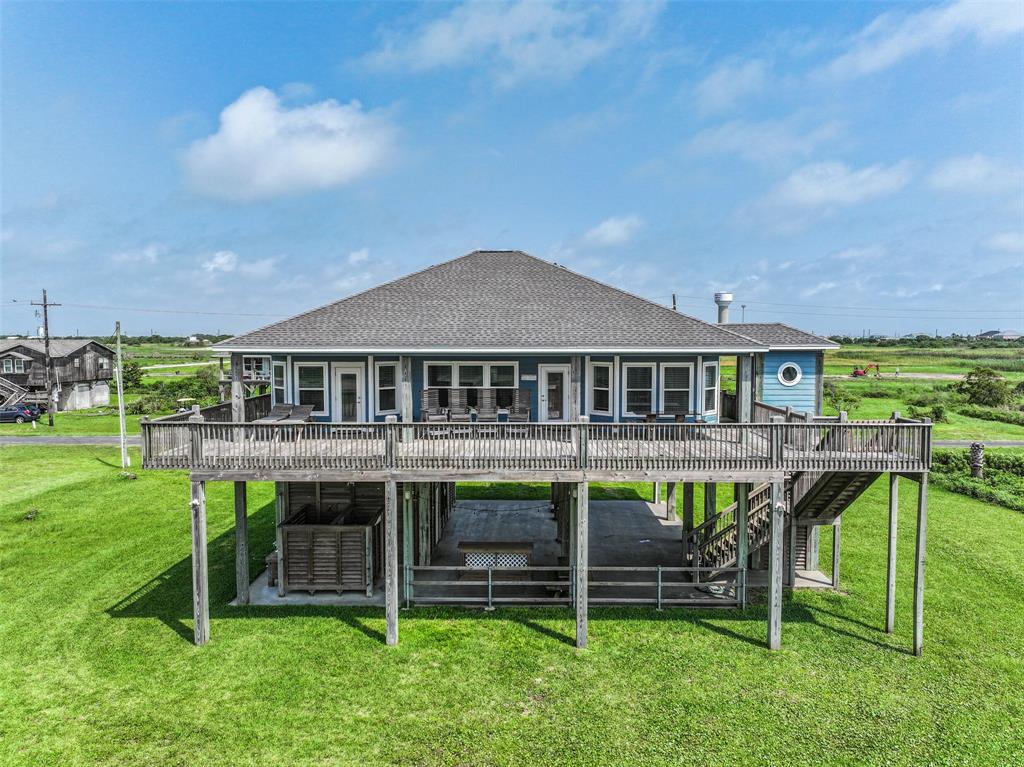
pixel 790 374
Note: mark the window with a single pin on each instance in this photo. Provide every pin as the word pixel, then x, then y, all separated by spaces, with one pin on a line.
pixel 439 376
pixel 790 374
pixel 255 368
pixel 104 363
pixel 387 387
pixel 639 389
pixel 19 366
pixel 311 385
pixel 78 362
pixel 502 376
pixel 601 388
pixel 471 376
pixel 8 365
pixel 710 387
pixel 279 386
pixel 676 383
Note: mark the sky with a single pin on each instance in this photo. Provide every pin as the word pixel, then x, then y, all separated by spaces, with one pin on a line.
pixel 202 167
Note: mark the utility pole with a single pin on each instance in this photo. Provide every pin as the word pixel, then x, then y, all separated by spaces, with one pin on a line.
pixel 46 347
pixel 125 460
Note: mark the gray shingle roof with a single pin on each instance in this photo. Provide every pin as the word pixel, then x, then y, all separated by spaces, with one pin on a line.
pixel 59 347
pixel 776 334
pixel 492 300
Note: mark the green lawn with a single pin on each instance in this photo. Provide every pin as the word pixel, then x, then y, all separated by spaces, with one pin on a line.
pixel 97 667
pixel 73 423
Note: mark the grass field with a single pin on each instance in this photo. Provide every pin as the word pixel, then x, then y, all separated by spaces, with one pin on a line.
pixel 100 421
pixel 97 667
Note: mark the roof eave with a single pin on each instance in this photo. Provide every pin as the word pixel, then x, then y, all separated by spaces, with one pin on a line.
pixel 481 350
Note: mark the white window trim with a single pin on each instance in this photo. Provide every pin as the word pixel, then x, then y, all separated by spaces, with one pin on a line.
pixel 19 366
pixel 653 367
pixel 704 387
pixel 795 381
pixel 268 363
pixel 274 364
pixel 359 368
pixel 327 399
pixel 590 388
pixel 8 365
pixel 397 387
pixel 661 384
pixel 456 384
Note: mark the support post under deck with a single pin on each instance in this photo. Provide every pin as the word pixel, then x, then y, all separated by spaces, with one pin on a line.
pixel 775 567
pixel 670 502
pixel 890 573
pixel 407 544
pixel 837 543
pixel 582 503
pixel 241 545
pixel 710 500
pixel 922 524
pixel 687 523
pixel 200 573
pixel 742 540
pixel 391 560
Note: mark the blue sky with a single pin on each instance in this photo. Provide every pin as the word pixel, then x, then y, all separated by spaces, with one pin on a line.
pixel 837 166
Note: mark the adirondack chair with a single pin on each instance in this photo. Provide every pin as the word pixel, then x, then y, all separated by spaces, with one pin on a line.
pixel 278 412
pixel 299 414
pixel 487 407
pixel 458 410
pixel 430 406
pixel 519 413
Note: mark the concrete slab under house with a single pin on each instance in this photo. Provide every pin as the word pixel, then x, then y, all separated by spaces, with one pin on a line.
pixel 498 367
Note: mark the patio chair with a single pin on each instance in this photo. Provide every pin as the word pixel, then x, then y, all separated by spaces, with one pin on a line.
pixel 487 411
pixel 519 413
pixel 430 406
pixel 458 410
pixel 299 414
pixel 277 413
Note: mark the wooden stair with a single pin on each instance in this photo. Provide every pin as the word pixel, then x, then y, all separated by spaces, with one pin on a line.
pixel 830 495
pixel 10 393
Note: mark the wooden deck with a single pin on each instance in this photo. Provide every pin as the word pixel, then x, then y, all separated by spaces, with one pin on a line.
pixel 558 452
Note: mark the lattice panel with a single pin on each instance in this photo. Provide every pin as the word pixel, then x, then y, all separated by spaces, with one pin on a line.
pixel 511 559
pixel 480 559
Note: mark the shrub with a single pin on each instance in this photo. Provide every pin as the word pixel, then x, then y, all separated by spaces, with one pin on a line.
pixel 131 373
pixel 839 397
pixel 983 386
pixel 1004 476
pixel 1002 415
pixel 936 412
pixel 148 404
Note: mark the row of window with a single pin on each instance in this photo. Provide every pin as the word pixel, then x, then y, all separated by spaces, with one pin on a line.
pixel 14 365
pixel 638 383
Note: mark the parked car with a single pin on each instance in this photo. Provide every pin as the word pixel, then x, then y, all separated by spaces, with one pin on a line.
pixel 18 414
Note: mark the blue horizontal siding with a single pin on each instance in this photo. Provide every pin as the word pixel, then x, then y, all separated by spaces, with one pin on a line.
pixel 801 396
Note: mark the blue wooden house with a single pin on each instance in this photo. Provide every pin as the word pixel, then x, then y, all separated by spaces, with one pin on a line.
pixel 501 367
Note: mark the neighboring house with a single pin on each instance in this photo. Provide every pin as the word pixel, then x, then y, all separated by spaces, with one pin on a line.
pixel 80 374
pixel 1000 335
pixel 500 367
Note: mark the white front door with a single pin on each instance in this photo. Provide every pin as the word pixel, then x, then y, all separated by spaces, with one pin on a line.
pixel 553 392
pixel 347 394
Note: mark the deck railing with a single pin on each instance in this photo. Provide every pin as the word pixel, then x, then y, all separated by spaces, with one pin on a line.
pixel 538 447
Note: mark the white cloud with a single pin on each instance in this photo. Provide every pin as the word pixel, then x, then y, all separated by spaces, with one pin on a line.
pixel 1006 242
pixel 261 268
pixel 975 173
pixel 829 184
pixel 221 261
pixel 616 230
pixel 869 253
pixel 821 287
pixel 263 149
pixel 895 36
pixel 149 254
pixel 359 256
pixel 730 82
pixel 517 41
pixel 763 142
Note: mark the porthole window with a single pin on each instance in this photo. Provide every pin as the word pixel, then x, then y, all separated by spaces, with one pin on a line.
pixel 790 374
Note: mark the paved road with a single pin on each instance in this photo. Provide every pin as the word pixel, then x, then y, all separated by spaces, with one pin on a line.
pixel 133 441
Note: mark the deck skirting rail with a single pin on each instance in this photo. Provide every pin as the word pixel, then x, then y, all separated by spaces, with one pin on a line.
pixel 389 449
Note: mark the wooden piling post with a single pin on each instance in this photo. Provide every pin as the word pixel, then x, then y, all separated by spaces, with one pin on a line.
pixel 200 572
pixel 241 545
pixel 237 390
pixel 890 580
pixel 922 524
pixel 582 512
pixel 775 567
pixel 687 523
pixel 408 547
pixel 710 500
pixel 670 502
pixel 656 493
pixel 423 518
pixel 391 560
pixel 791 552
pixel 837 540
pixel 742 540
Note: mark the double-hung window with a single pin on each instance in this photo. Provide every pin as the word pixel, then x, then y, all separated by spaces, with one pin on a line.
pixel 601 388
pixel 676 388
pixel 710 382
pixel 19 366
pixel 279 386
pixel 8 365
pixel 639 388
pixel 311 385
pixel 387 387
